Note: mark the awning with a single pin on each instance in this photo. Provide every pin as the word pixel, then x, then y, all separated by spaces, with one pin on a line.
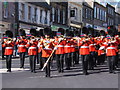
pixel 56 27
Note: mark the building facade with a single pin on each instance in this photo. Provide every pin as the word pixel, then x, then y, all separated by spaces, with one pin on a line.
pixel 100 17
pixel 33 15
pixel 87 15
pixel 110 15
pixel 75 16
pixel 7 21
pixel 59 15
pixel 117 19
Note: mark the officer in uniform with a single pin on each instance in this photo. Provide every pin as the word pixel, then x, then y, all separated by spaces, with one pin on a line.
pixel 32 51
pixel 8 44
pixel 84 51
pixel 59 46
pixel 111 51
pixel 67 50
pixel 47 50
pixel 21 43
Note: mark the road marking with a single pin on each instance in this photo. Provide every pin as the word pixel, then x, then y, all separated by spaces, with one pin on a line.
pixel 4 70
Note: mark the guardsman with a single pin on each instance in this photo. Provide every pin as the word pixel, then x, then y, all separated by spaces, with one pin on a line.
pixel 101 51
pixel 21 43
pixel 92 49
pixel 84 52
pixel 111 52
pixel 9 45
pixel 46 52
pixel 32 52
pixel 67 50
pixel 59 46
pixel 47 49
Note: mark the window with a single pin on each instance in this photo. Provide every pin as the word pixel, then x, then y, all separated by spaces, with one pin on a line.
pixel 45 17
pixel 91 14
pixel 40 16
pixel 53 14
pixel 76 13
pixel 95 12
pixel 64 16
pixel 80 15
pixel 100 13
pixel 5 9
pixel 29 12
pixel 58 16
pixel 22 11
pixel 86 13
pixel 105 16
pixel 35 15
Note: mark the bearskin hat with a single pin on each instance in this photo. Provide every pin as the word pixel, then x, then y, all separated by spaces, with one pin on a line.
pixel 33 31
pixel 61 30
pixel 102 33
pixel 22 32
pixel 91 31
pixel 9 34
pixel 85 30
pixel 47 31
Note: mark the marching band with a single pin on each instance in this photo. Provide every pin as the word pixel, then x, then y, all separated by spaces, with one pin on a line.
pixel 94 50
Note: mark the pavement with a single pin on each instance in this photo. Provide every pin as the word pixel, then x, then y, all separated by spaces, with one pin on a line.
pixel 23 78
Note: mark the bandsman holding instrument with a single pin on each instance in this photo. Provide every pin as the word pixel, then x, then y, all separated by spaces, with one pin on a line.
pixel 32 51
pixel 21 43
pixel 9 45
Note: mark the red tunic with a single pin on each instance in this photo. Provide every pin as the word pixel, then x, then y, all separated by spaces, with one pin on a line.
pixel 46 52
pixel 60 47
pixel 8 48
pixel 84 49
pixel 22 45
pixel 32 50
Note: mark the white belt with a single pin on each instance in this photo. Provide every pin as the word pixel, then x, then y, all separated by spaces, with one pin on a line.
pixel 32 47
pixel 101 47
pixel 21 45
pixel 47 48
pixel 102 53
pixel 9 48
pixel 72 46
pixel 91 45
pixel 67 46
pixel 84 46
pixel 111 48
pixel 60 46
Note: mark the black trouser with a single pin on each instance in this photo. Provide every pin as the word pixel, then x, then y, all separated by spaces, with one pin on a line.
pixel 22 59
pixel 60 62
pixel 67 60
pixel 101 59
pixel 3 50
pixel 40 59
pixel 92 61
pixel 85 59
pixel 32 62
pixel 76 57
pixel 47 68
pixel 72 58
pixel 8 62
pixel 111 63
